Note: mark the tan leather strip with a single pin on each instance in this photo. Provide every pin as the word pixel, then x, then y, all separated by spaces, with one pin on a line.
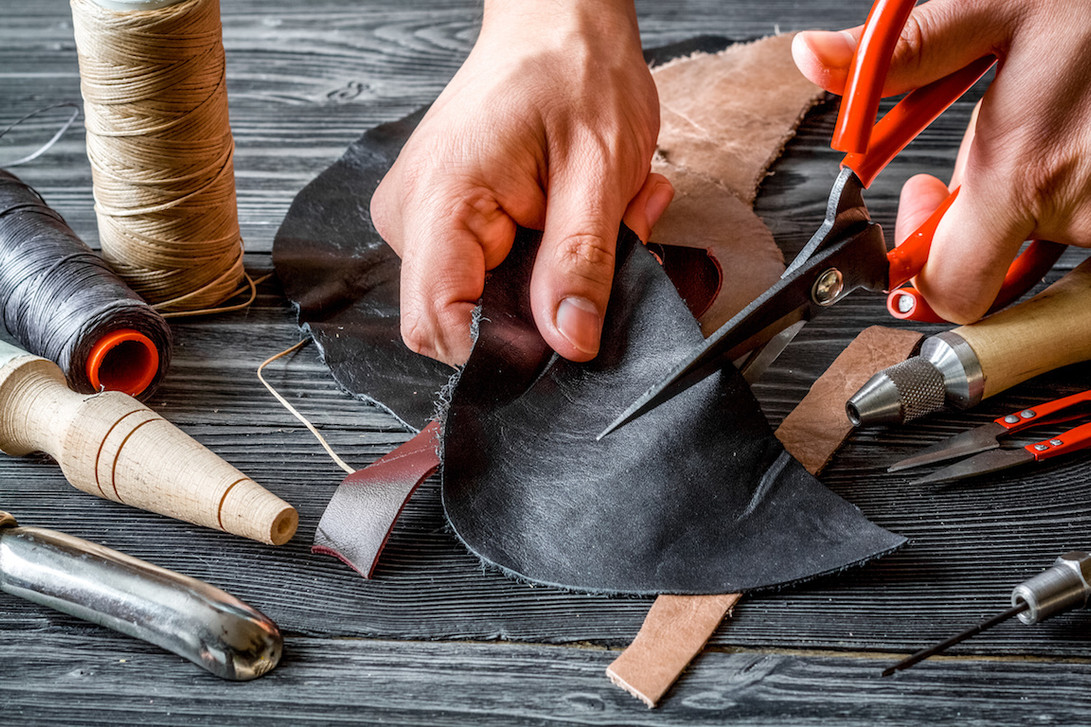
pixel 816 428
pixel 674 631
pixel 677 627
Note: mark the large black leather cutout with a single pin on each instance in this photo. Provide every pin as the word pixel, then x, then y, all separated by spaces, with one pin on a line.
pixel 697 496
pixel 343 280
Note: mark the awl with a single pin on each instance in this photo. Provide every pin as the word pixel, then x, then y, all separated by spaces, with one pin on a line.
pixel 959 368
pixel 211 628
pixel 1063 586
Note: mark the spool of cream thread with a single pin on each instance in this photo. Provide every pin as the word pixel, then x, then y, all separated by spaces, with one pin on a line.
pixel 161 148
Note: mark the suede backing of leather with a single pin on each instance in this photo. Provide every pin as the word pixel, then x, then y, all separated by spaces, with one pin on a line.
pixel 695 497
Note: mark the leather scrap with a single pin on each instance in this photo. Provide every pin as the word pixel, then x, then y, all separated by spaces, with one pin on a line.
pixel 677 627
pixel 726 113
pixel 697 496
pixel 358 519
pixel 673 634
pixel 818 426
pixel 343 281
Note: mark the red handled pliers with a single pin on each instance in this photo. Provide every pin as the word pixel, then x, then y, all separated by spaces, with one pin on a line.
pixel 848 250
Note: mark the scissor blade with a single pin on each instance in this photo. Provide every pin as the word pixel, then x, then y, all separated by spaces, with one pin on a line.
pixel 859 261
pixel 978 439
pixel 980 464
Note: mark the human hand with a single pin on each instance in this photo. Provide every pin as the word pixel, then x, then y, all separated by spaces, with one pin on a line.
pixel 550 124
pixel 1025 163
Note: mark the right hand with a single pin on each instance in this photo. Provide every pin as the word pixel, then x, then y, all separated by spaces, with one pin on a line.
pixel 550 124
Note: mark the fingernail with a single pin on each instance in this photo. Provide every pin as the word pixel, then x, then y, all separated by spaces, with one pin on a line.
pixel 832 48
pixel 579 321
pixel 658 200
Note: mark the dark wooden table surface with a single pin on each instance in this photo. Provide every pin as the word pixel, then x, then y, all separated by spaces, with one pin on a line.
pixel 436 639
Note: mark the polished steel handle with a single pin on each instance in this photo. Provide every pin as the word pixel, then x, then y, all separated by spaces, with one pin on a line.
pixel 193 619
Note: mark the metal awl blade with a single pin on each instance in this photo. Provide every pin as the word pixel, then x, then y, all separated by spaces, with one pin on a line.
pixel 980 464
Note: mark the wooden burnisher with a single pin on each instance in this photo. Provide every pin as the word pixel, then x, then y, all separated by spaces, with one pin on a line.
pixel 111 445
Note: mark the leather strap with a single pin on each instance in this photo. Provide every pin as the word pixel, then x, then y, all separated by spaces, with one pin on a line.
pixel 677 627
pixel 363 510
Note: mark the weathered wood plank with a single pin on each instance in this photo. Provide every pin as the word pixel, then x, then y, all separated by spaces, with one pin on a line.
pixel 305 80
pixel 371 682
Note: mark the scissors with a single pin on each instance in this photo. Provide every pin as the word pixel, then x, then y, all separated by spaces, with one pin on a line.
pixel 983 442
pixel 848 251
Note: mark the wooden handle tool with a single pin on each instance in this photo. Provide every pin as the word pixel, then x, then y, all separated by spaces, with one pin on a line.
pixel 962 366
pixel 111 445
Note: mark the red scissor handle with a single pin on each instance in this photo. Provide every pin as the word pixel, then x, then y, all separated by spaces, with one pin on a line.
pixel 1025 272
pixel 1042 413
pixel 1071 441
pixel 872 146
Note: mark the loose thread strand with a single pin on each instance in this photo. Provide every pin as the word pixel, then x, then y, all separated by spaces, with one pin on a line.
pixel 284 402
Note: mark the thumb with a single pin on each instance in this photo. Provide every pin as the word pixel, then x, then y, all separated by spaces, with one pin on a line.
pixel 941 36
pixel 921 195
pixel 570 285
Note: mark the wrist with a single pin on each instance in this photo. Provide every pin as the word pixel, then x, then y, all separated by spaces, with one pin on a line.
pixel 605 22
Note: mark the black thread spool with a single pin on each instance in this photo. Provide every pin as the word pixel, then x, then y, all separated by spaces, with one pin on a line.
pixel 64 303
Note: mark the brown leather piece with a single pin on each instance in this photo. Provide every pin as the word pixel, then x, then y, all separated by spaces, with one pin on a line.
pixel 677 627
pixel 817 427
pixel 357 522
pixel 725 117
pixel 674 632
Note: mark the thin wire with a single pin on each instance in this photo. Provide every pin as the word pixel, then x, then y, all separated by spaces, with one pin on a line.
pixel 284 402
pixel 56 137
pixel 956 639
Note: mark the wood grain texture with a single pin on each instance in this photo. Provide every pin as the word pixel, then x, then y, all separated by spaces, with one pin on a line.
pixel 410 647
pixel 384 682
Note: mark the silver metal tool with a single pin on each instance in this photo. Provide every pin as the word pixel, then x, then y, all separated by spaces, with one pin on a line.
pixel 961 367
pixel 947 371
pixel 211 628
pixel 1063 586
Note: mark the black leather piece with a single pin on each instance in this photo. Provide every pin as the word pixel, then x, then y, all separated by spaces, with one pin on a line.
pixel 697 496
pixel 343 280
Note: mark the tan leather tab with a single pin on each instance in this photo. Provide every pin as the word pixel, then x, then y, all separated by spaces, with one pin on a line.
pixel 674 632
pixel 816 428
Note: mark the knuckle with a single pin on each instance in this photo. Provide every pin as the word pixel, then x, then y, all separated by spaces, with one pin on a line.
pixel 587 256
pixel 417 333
pixel 910 52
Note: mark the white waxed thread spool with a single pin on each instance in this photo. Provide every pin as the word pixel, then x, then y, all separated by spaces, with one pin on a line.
pixel 152 74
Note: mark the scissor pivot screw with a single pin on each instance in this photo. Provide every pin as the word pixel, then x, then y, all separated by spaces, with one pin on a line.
pixel 827 287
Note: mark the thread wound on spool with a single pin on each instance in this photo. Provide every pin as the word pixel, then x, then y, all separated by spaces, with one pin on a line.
pixel 161 151
pixel 61 301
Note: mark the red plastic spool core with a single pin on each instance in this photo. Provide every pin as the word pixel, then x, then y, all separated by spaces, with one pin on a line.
pixel 123 360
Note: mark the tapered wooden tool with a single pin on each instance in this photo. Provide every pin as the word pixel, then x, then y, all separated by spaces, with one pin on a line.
pixel 111 445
